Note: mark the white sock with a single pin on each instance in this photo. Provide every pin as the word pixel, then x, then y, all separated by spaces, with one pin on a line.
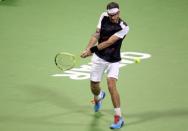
pixel 117 111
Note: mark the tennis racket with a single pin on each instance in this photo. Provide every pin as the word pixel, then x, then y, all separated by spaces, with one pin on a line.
pixel 65 61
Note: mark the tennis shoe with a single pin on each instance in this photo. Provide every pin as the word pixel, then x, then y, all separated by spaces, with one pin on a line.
pixel 118 122
pixel 98 103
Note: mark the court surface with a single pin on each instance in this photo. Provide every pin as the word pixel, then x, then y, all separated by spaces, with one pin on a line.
pixel 153 93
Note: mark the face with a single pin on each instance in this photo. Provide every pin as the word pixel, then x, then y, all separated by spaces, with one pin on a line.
pixel 114 17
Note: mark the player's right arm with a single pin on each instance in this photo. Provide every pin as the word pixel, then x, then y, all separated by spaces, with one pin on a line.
pixel 93 40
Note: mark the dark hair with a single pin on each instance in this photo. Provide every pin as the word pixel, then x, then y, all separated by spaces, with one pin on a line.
pixel 112 5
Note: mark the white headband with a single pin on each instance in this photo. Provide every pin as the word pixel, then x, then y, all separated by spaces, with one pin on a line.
pixel 112 11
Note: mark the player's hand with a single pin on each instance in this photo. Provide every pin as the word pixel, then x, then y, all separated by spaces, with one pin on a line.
pixel 86 53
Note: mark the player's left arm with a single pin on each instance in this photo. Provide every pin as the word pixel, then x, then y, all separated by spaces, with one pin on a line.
pixel 108 42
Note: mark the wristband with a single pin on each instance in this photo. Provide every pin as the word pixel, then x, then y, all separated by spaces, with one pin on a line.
pixel 94 49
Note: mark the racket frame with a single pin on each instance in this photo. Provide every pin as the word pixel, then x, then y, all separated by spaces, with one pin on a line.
pixel 67 54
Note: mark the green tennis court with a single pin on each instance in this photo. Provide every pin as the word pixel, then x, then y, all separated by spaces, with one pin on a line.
pixel 36 96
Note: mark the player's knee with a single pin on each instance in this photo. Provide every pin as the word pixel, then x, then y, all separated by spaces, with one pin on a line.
pixel 94 85
pixel 111 83
pixel 95 88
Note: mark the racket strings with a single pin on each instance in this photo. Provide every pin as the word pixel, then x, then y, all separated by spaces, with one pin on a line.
pixel 65 61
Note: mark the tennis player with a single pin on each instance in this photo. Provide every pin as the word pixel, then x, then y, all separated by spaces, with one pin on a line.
pixel 111 31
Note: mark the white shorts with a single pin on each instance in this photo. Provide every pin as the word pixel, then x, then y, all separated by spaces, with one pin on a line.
pixel 99 66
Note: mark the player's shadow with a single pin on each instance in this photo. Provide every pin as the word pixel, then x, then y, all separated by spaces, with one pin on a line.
pixel 154 115
pixel 9 3
pixel 144 117
pixel 34 94
pixel 95 122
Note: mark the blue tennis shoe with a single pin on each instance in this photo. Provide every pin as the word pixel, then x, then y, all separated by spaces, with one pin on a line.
pixel 98 103
pixel 118 122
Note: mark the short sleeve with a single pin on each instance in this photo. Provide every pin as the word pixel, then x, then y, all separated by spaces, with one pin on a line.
pixel 100 19
pixel 123 32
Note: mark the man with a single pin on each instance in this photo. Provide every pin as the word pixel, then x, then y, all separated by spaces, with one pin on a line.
pixel 110 32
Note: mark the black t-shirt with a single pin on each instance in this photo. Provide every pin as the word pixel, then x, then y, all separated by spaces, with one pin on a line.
pixel 107 29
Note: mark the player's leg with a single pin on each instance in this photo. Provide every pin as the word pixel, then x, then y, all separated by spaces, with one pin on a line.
pixel 97 70
pixel 113 71
pixel 113 92
pixel 99 95
pixel 95 88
